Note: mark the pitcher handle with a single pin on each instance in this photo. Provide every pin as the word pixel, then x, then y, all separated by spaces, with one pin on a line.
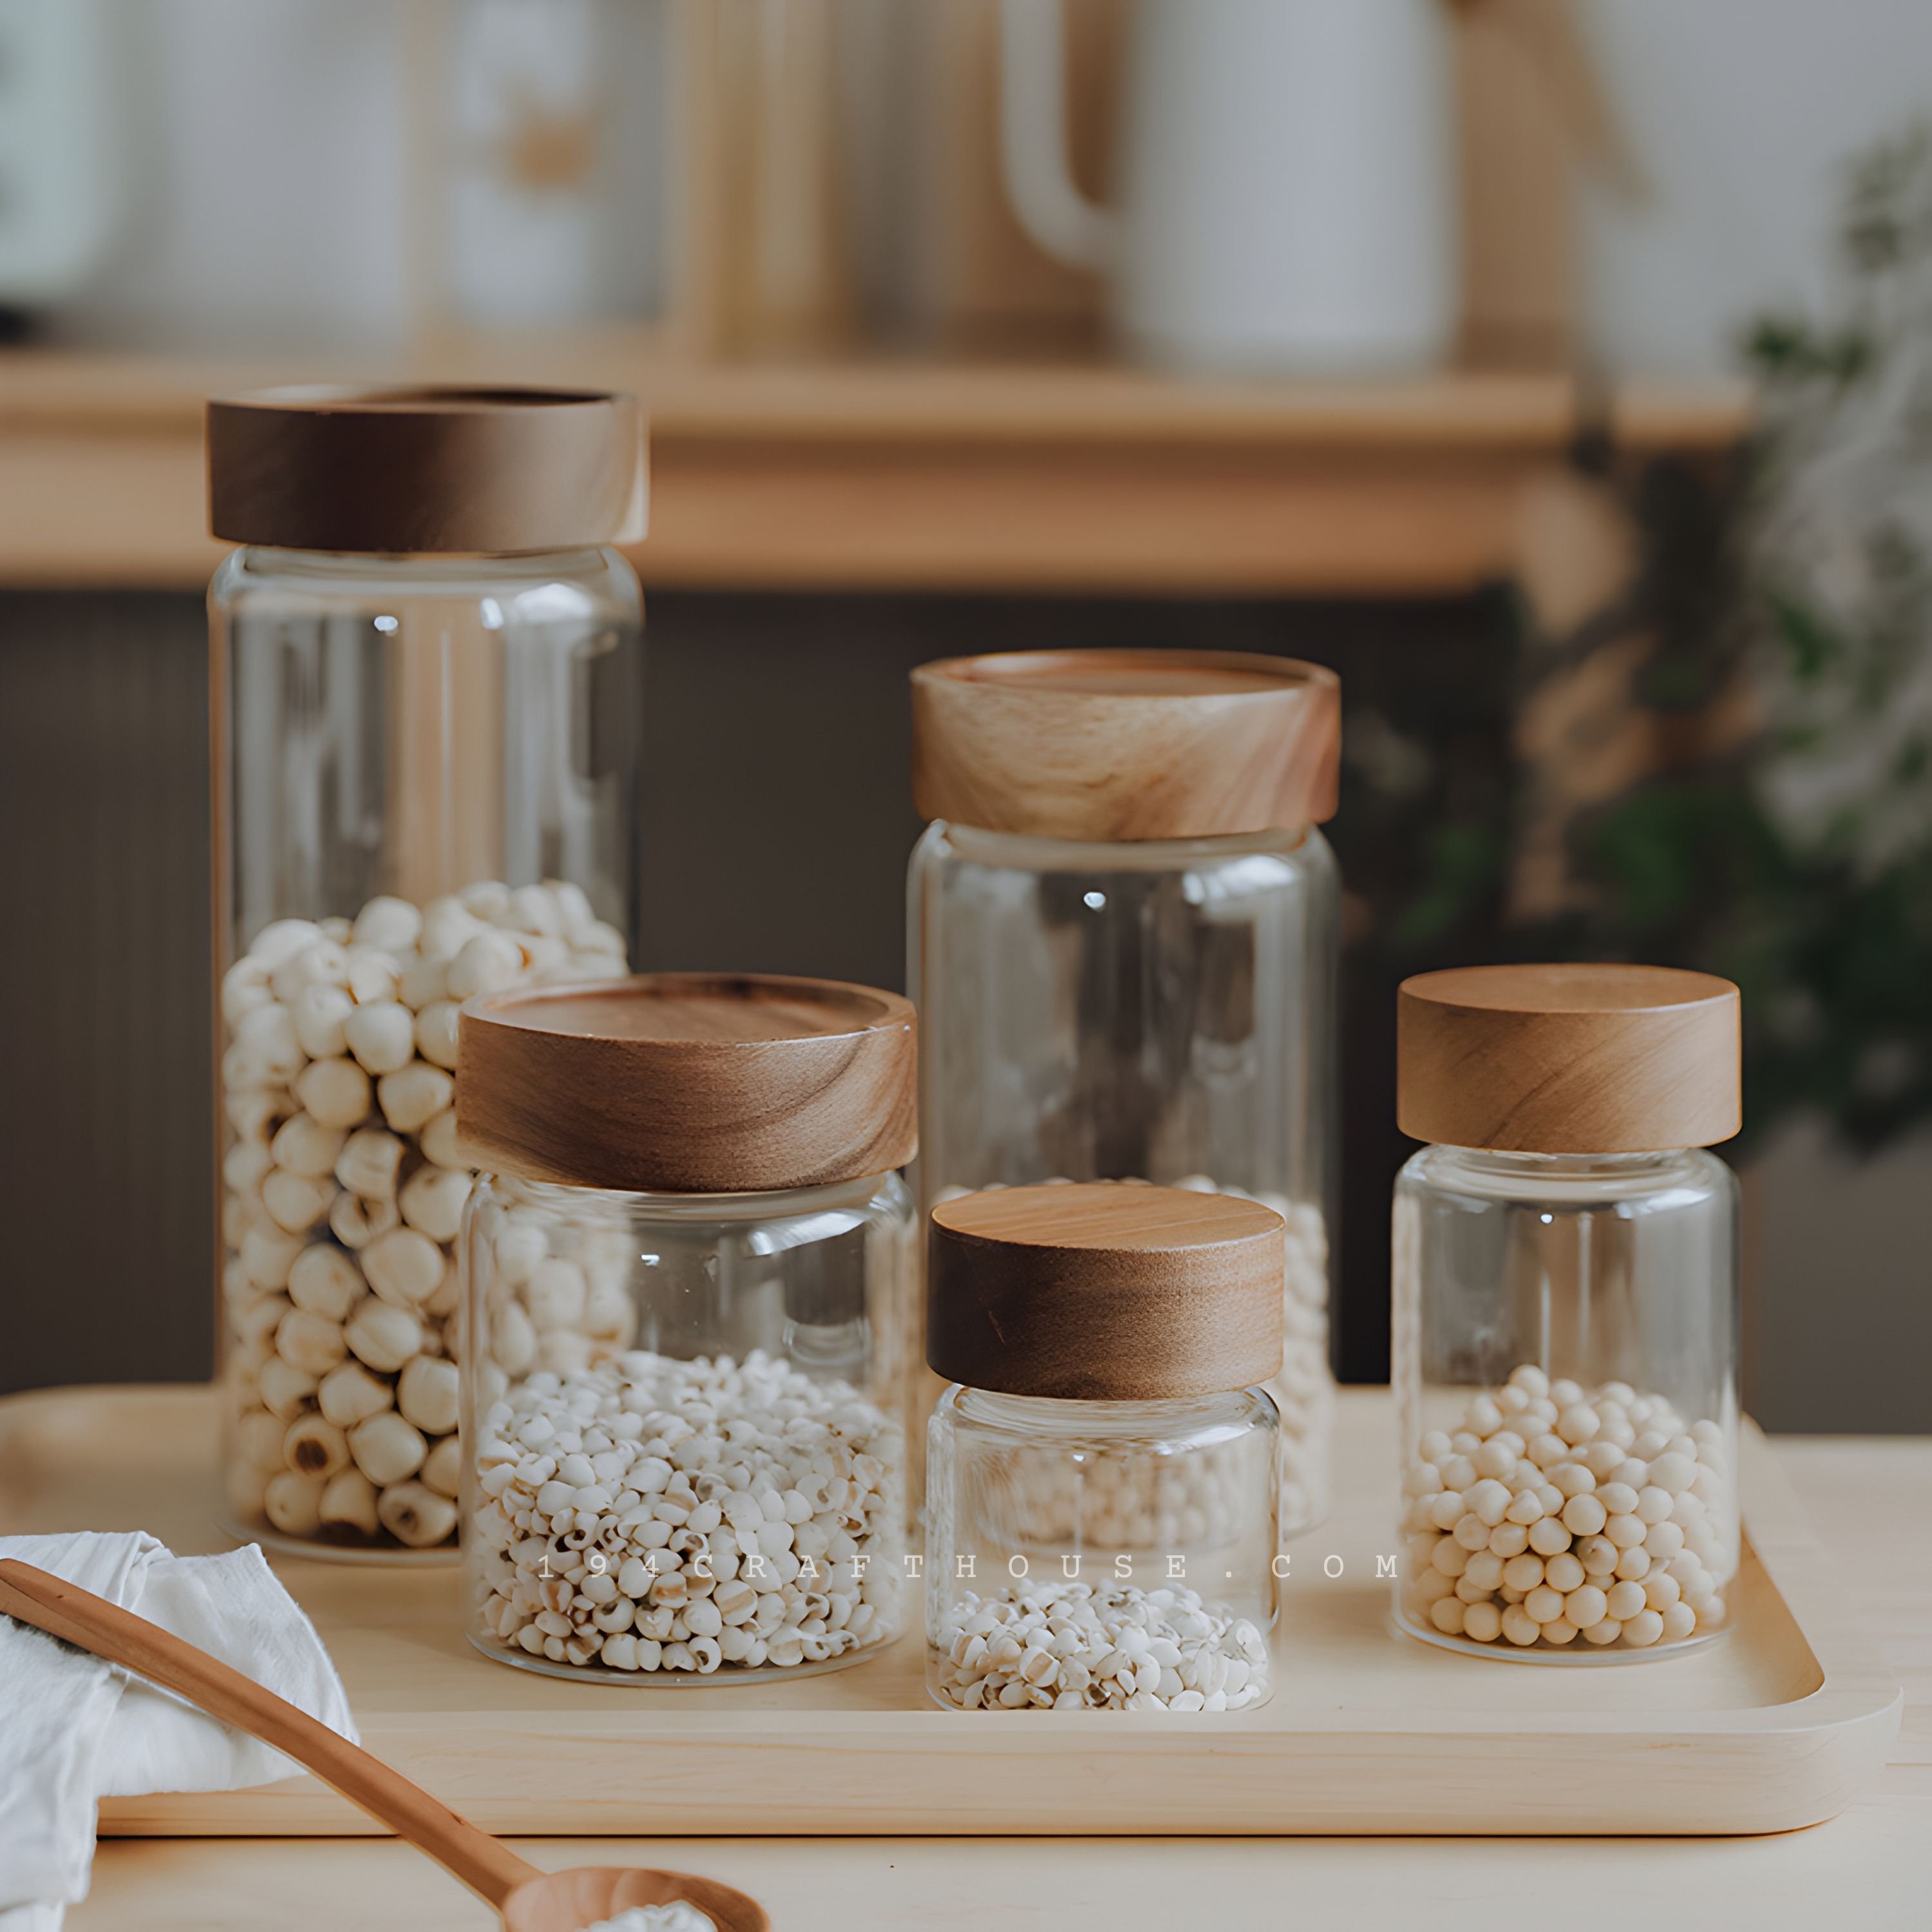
pixel 1039 180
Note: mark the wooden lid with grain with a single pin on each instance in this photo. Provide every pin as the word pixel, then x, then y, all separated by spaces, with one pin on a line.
pixel 1578 1059
pixel 1111 746
pixel 1104 1292
pixel 396 471
pixel 690 1083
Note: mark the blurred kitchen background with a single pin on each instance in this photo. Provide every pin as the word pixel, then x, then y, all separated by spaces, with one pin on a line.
pixel 1556 370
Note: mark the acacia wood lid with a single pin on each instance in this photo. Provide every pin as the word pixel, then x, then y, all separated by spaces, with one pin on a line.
pixel 395 471
pixel 1104 1292
pixel 1118 745
pixel 690 1083
pixel 1573 1059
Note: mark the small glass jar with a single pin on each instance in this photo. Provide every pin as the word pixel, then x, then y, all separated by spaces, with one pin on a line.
pixel 1124 927
pixel 425 678
pixel 689 1272
pixel 1565 1323
pixel 1103 1475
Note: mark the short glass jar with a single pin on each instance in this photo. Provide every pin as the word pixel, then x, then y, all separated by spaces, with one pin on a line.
pixel 425 676
pixel 1124 927
pixel 1103 1474
pixel 1565 1324
pixel 685 1458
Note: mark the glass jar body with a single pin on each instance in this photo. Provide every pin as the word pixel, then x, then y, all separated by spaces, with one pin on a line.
pixel 1107 1533
pixel 1565 1348
pixel 1163 1012
pixel 685 1459
pixel 440 736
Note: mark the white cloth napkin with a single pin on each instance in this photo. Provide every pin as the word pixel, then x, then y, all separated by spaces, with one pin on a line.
pixel 74 1729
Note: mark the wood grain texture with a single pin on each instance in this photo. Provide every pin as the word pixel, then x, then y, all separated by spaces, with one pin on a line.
pixel 1104 1292
pixel 1782 1724
pixel 1569 1059
pixel 1119 745
pixel 691 1083
pixel 427 468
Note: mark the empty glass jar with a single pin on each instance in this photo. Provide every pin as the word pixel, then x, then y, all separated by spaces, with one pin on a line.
pixel 1102 1476
pixel 690 1270
pixel 425 675
pixel 1124 925
pixel 1565 1319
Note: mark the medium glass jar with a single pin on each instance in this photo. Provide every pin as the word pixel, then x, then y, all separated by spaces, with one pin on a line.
pixel 425 675
pixel 689 1273
pixel 1565 1323
pixel 1103 1474
pixel 1124 928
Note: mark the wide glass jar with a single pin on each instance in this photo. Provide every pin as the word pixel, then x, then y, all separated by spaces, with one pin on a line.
pixel 425 669
pixel 684 1369
pixel 1124 927
pixel 1565 1324
pixel 1102 1475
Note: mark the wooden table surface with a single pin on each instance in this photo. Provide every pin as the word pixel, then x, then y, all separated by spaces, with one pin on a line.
pixel 1869 1870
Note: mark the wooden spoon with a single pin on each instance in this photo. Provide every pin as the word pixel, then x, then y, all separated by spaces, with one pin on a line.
pixel 529 1901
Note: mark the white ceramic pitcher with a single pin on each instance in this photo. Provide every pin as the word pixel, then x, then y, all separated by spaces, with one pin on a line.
pixel 1286 180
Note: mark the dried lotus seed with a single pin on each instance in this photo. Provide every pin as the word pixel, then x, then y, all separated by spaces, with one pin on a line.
pixel 350 1394
pixel 382 1337
pixel 320 1014
pixel 414 1094
pixel 373 977
pixel 386 1448
pixel 356 1222
pixel 432 1201
pixel 443 1467
pixel 315 1447
pixel 294 1201
pixel 293 1503
pixel 435 1032
pixel 309 1341
pixel 304 1145
pixel 486 964
pixel 282 939
pixel 392 924
pixel 285 1389
pixel 325 1282
pixel 369 1162
pixel 426 1394
pixel 413 1514
pixel 335 1093
pixel 382 1036
pixel 403 1267
pixel 348 1499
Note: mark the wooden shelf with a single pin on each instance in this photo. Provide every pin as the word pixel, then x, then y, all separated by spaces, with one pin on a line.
pixel 902 475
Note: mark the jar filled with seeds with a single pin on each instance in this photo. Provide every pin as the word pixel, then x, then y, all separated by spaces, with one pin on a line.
pixel 425 674
pixel 1102 1475
pixel 1565 1323
pixel 690 1272
pixel 1124 924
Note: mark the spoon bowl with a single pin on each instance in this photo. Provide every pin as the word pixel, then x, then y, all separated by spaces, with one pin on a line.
pixel 570 1901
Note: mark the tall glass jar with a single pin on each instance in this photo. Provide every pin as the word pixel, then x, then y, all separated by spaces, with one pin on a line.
pixel 1124 927
pixel 1103 1475
pixel 689 1272
pixel 1566 1321
pixel 425 671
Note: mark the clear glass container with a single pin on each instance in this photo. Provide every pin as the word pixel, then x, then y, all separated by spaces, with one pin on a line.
pixel 687 1460
pixel 1100 1555
pixel 1162 1010
pixel 1565 1349
pixel 426 777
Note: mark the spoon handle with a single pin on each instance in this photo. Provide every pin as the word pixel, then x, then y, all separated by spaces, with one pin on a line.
pixel 489 1868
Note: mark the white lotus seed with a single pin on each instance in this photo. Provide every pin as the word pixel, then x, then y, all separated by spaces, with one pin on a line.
pixel 268 1253
pixel 426 1394
pixel 438 1143
pixel 355 1223
pixel 374 978
pixel 325 1282
pixel 268 1034
pixel 443 1467
pixel 350 1394
pixel 335 1092
pixel 486 964
pixel 435 1032
pixel 432 1201
pixel 316 1447
pixel 295 1202
pixel 382 1037
pixel 556 1294
pixel 369 1162
pixel 285 1389
pixel 386 1448
pixel 414 1514
pixel 414 1095
pixel 403 1267
pixel 282 939
pixel 293 1503
pixel 447 926
pixel 321 1012
pixel 349 1500
pixel 382 1337
pixel 392 924
pixel 309 1342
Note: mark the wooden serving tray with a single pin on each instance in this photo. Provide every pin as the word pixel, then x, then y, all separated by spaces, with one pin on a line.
pixel 1781 1725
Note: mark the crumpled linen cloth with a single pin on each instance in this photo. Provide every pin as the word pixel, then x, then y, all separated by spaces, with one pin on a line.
pixel 74 1729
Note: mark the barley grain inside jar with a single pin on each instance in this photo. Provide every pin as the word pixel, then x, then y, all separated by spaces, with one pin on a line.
pixel 426 674
pixel 1103 1474
pixel 1565 1311
pixel 689 1268
pixel 1124 931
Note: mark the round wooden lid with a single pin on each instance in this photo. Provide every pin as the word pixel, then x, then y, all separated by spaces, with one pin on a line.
pixel 690 1083
pixel 1582 1059
pixel 402 470
pixel 1104 1292
pixel 1118 745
